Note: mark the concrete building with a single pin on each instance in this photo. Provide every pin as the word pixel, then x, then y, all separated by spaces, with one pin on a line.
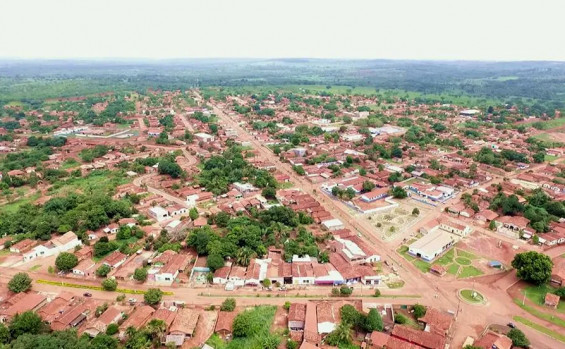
pixel 432 245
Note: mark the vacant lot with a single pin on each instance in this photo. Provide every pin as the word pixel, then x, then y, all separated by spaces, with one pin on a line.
pixel 395 223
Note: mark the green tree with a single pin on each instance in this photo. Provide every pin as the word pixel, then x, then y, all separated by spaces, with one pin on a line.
pixel 533 267
pixel 215 261
pixel 28 322
pixel 345 290
pixel 374 321
pixel 341 335
pixel 20 282
pixel 419 310
pixel 4 334
pixel 368 186
pixel 112 329
pixel 518 338
pixel 153 296
pixel 66 261
pixel 193 213
pixel 109 284
pixel 399 192
pixel 415 211
pixel 103 270
pixel 228 304
pixel 269 193
pixel 492 225
pixel 140 274
pixel 400 319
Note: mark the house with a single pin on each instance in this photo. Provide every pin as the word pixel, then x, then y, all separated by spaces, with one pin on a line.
pixel 224 325
pixel 112 228
pixel 21 303
pixel 221 275
pixel 115 259
pixel 169 272
pixel 311 324
pixel 237 275
pixel 296 316
pixel 455 228
pixel 551 300
pixel 84 268
pixel 63 243
pixel 493 340
pixel 75 316
pixel 436 321
pixel 112 315
pixel 158 213
pixel 328 316
pixel 136 319
pixel 438 270
pixel 430 246
pixel 333 224
pixel 355 250
pixel 23 246
pixel 183 326
pixel 204 137
pixel 427 340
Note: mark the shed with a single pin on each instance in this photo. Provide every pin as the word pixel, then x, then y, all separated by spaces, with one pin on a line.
pixel 495 264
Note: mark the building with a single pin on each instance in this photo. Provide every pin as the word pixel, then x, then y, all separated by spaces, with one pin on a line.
pixel 333 224
pixel 204 137
pixel 224 325
pixel 20 303
pixel 183 326
pixel 375 194
pixel 115 259
pixel 175 265
pixel 551 300
pixel 455 228
pixel 112 315
pixel 158 213
pixel 23 246
pixel 136 319
pixel 493 340
pixel 296 316
pixel 431 245
pixel 63 243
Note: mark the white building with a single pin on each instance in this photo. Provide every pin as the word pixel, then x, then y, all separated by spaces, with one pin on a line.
pixel 204 137
pixel 333 224
pixel 158 213
pixel 66 242
pixel 432 245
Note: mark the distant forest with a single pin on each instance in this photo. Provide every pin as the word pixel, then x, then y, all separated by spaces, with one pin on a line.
pixel 539 85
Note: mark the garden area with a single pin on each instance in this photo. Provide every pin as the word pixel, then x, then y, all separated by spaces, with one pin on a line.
pixel 536 294
pixel 472 296
pixel 457 262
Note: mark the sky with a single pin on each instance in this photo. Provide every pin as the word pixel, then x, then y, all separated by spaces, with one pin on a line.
pixel 395 29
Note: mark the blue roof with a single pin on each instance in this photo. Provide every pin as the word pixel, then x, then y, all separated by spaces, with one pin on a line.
pixel 494 263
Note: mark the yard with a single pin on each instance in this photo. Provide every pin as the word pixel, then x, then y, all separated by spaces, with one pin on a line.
pixel 537 294
pixel 457 262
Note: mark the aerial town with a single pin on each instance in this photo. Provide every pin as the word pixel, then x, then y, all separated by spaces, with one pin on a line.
pixel 281 218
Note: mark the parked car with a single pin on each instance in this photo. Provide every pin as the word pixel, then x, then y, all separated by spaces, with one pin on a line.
pixel 87 294
pixel 511 325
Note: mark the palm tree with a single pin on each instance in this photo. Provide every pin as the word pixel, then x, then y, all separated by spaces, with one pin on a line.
pixel 156 329
pixel 243 256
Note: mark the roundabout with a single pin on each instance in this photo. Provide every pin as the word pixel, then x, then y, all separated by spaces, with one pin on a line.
pixel 471 296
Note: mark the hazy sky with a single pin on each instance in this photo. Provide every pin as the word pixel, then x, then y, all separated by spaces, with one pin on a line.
pixel 412 29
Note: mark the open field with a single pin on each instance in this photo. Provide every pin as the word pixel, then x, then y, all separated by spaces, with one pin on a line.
pixel 394 223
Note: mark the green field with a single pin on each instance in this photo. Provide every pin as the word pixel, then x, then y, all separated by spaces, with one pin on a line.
pixel 469 271
pixel 98 181
pixel 540 314
pixel 15 205
pixel 463 261
pixel 537 294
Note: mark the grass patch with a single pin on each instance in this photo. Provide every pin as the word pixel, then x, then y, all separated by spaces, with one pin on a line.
pixel 423 266
pixel 261 314
pixel 468 296
pixel 463 261
pixel 97 181
pixel 453 269
pixel 35 267
pixel 446 258
pixel 13 206
pixel 540 314
pixel 537 294
pixel 555 335
pixel 403 251
pixel 396 284
pixel 550 158
pixel 465 254
pixel 469 271
pixel 95 288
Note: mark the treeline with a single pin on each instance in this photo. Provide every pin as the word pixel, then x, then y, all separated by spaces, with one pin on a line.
pixel 75 212
pixel 244 238
pixel 219 172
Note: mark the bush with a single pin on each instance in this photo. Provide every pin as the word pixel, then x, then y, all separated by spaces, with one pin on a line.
pixel 374 321
pixel 103 270
pixel 377 293
pixel 345 290
pixel 290 344
pixel 286 305
pixel 518 338
pixel 21 282
pixel 153 296
pixel 112 329
pixel 66 261
pixel 120 298
pixel 267 283
pixel 228 304
pixel 140 274
pixel 400 319
pixel 109 285
pixel 419 310
pixel 335 291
